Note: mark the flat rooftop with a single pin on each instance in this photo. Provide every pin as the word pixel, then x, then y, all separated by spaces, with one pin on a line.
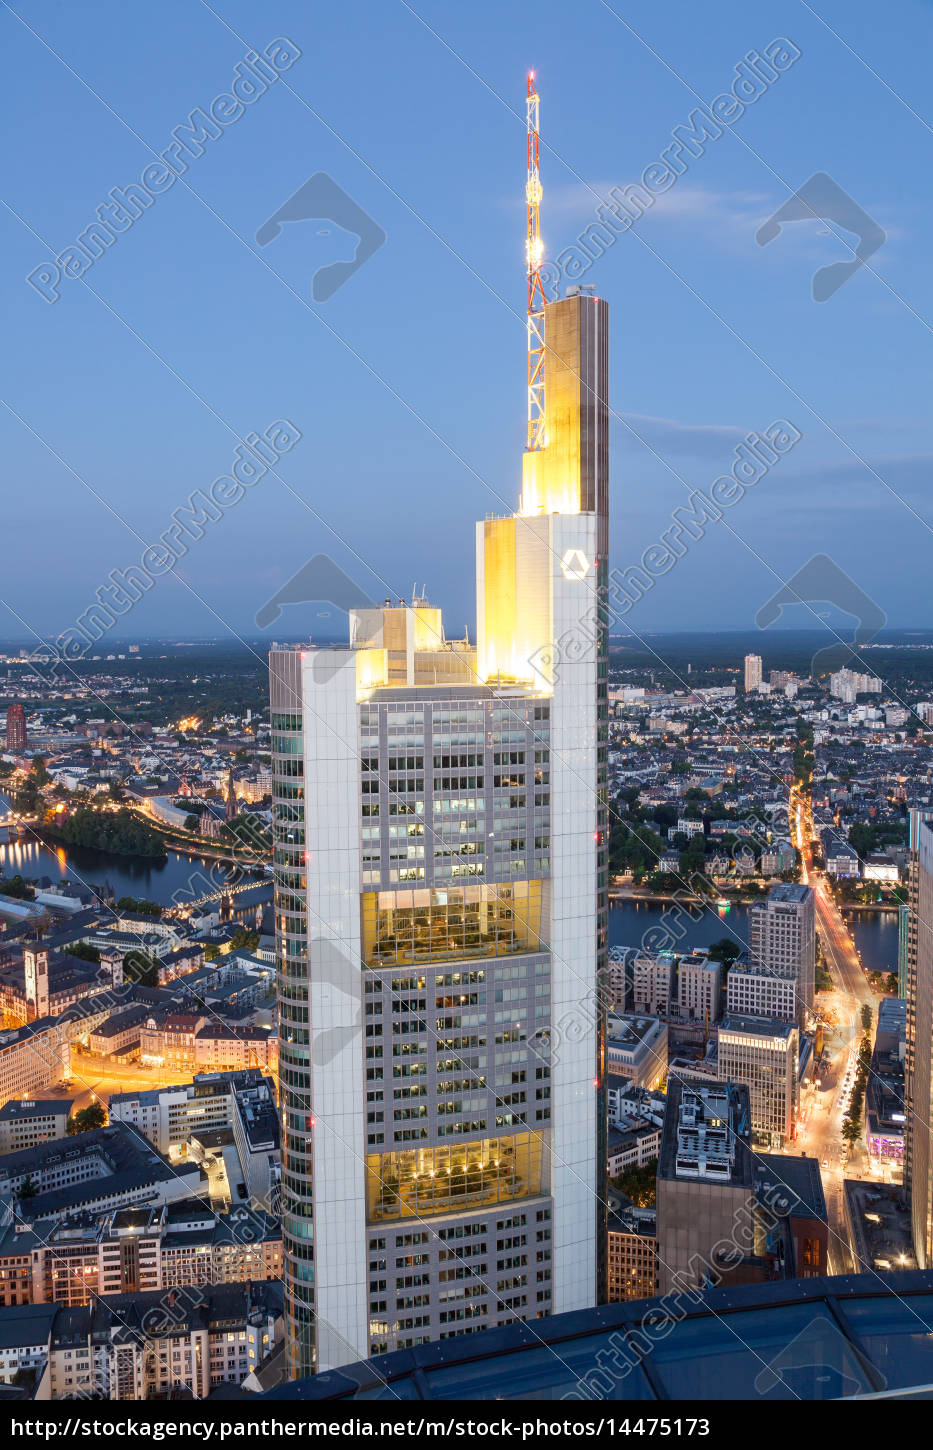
pixel 756 1026
pixel 789 891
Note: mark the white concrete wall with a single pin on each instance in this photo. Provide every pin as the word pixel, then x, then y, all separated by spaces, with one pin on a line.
pixel 332 814
pixel 573 911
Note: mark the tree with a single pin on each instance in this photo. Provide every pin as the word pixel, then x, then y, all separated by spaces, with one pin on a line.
pixel 87 1119
pixel 851 1130
pixel 724 950
pixel 122 833
pixel 693 857
pixel 84 951
pixel 866 1017
pixel 42 776
pixel 16 887
pixel 139 967
pixel 862 838
pixel 192 823
pixel 244 940
pixel 140 906
pixel 27 798
pixel 639 1184
pixel 28 1189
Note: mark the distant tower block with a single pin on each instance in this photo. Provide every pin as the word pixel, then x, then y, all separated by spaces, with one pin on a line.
pixel 16 728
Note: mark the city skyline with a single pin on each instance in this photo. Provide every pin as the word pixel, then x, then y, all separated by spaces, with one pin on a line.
pixel 466 769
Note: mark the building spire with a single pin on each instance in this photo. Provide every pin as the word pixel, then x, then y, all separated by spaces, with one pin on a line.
pixel 534 252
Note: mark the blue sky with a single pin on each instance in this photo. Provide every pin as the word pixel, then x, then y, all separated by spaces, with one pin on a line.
pixel 407 385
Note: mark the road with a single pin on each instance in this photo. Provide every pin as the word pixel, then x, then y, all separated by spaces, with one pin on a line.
pixel 96 1079
pixel 824 1101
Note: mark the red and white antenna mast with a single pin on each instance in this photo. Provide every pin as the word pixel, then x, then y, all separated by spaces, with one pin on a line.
pixel 534 251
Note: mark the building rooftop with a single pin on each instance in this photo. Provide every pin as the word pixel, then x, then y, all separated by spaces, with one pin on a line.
pixel 706 1133
pixel 756 1026
pixel 35 1108
pixel 799 1181
pixel 805 1339
pixel 628 1031
pixel 788 891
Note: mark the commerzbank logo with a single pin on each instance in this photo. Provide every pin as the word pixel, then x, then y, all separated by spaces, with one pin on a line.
pixel 575 564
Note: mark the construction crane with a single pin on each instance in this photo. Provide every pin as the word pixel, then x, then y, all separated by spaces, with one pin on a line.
pixel 534 254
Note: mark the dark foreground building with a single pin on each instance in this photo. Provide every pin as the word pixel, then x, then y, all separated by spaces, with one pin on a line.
pixel 808 1339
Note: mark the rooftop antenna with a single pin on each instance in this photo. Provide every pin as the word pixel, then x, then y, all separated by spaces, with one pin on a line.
pixel 534 253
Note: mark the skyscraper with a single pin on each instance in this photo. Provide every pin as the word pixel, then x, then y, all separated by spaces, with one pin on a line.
pixel 782 940
pixel 918 985
pixel 441 915
pixel 918 1159
pixel 752 672
pixel 903 948
pixel 16 728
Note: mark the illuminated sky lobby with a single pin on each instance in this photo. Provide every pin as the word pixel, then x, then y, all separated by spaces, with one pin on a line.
pixel 440 914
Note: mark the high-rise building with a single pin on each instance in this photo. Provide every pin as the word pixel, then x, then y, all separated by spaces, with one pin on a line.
pixel 846 684
pixel 918 1058
pixel 16 728
pixel 782 940
pixel 903 947
pixel 440 849
pixel 762 1053
pixel 706 1183
pixel 752 672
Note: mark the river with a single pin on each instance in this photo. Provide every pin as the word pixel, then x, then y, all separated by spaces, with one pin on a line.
pixel 875 934
pixel 127 875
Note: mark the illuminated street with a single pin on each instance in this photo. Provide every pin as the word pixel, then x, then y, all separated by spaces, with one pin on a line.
pixel 96 1079
pixel 823 1107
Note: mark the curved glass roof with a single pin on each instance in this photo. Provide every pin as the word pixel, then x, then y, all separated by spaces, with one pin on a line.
pixel 808 1339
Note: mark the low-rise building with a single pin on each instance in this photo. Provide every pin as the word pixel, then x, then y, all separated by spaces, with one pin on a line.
pixel 28 1121
pixel 841 859
pixel 154 1345
pixel 632 1257
pixel 652 977
pixel 146 1248
pixel 699 986
pixel 91 1172
pixel 170 1116
pixel 636 1048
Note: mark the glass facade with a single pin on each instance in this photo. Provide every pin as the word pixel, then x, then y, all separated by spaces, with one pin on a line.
pixel 433 926
pixel 426 1181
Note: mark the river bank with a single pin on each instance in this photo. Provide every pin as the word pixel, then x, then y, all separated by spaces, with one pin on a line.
pixel 648 925
pixel 732 898
pixel 173 878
